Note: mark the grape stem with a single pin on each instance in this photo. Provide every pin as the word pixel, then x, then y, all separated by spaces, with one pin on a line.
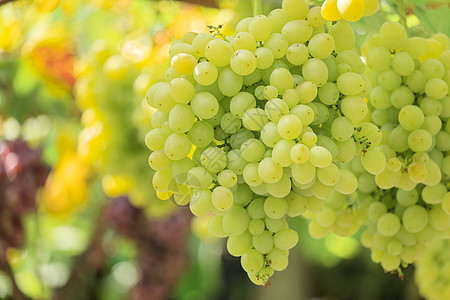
pixel 215 31
pixel 257 7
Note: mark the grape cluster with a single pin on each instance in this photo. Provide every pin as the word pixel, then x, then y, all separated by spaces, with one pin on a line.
pixel 257 127
pixel 407 202
pixel 66 189
pixel 111 139
pixel 161 244
pixel 350 10
pixel 432 273
pixel 22 173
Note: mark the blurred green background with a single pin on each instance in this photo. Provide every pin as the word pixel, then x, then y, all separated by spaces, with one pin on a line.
pixel 73 77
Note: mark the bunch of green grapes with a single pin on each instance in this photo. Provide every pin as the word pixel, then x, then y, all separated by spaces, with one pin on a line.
pixel 407 202
pixel 432 273
pixel 254 128
pixel 110 140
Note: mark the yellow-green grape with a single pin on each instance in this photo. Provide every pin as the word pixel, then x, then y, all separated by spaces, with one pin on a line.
pixel 156 138
pixel 235 222
pixel 392 35
pixel 297 31
pixel 403 63
pixel 177 146
pixel 204 105
pixel 218 52
pixel 242 25
pixel 181 118
pixel 263 242
pixel 264 57
pixel 159 161
pixel 277 19
pixel 199 177
pixel 278 44
pixel 373 160
pixel 299 153
pixel 278 259
pixel 315 16
pixel 260 27
pixel 243 40
pixel 222 198
pixel 205 73
pixel 239 244
pixel 162 99
pixel 350 83
pixel 252 261
pixel 200 202
pixel 315 70
pixel 213 159
pixel 295 9
pixel 275 208
pixel 289 127
pixel 307 91
pixel 215 226
pixel 321 45
pixel 181 90
pixel 285 239
pixel 179 47
pixel 388 224
pixel 199 43
pixel 243 62
pixel 255 119
pixel 344 37
pixel 297 54
pixel 416 47
pixel 268 171
pixel 329 175
pixel 229 82
pixel 319 156
pixel 417 172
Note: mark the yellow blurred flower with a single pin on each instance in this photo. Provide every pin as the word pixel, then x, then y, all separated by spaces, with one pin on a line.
pixel 116 185
pixel 11 34
pixel 69 7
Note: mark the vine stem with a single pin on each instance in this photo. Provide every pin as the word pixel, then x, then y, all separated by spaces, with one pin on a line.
pixel 5 1
pixel 5 267
pixel 257 7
